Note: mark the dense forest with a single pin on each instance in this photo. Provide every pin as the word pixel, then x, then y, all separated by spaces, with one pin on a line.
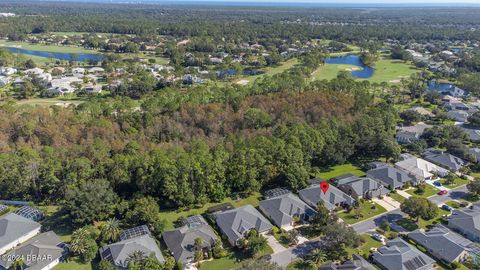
pixel 191 147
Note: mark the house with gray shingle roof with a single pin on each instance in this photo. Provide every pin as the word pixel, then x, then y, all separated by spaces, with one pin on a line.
pixel 409 134
pixel 360 187
pixel 357 263
pixel 15 230
pixel 118 253
pixel 467 222
pixel 236 223
pixel 420 169
pixel 445 244
pixel 399 255
pixel 473 134
pixel 181 241
pixel 391 177
pixel 284 208
pixel 41 252
pixel 443 159
pixel 332 198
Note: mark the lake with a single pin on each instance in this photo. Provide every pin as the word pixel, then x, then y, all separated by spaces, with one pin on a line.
pixel 364 73
pixel 79 57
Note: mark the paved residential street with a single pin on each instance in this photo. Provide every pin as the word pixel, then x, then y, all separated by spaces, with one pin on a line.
pixel 371 224
pixel 283 259
pixel 453 194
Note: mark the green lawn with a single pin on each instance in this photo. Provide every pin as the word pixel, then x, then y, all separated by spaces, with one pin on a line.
pixel 232 260
pixel 365 248
pixel 171 216
pixel 46 48
pixel 429 191
pixel 270 71
pixel 388 70
pixel 397 197
pixel 411 225
pixel 339 170
pixel 73 264
pixel 457 182
pixel 454 204
pixel 330 71
pixel 366 212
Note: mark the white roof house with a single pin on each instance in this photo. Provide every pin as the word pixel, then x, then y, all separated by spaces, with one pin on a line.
pixel 420 168
pixel 4 80
pixel 34 71
pixel 63 85
pixel 7 71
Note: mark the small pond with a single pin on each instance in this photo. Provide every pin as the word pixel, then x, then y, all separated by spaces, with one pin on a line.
pixel 79 57
pixel 364 72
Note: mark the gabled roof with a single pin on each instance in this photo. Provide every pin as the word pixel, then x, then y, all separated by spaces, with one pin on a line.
pixel 357 263
pixel 475 152
pixel 332 197
pixel 281 209
pixel 181 241
pixel 37 252
pixel 443 242
pixel 399 255
pixel 13 226
pixel 234 223
pixel 390 176
pixel 118 253
pixel 443 159
pixel 360 185
pixel 420 167
pixel 467 220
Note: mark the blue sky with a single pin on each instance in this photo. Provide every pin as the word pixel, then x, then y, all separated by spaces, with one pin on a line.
pixel 358 1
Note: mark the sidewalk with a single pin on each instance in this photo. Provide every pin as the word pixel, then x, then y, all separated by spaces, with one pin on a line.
pixel 404 194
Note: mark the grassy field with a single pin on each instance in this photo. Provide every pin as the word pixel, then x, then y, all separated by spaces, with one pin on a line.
pixel 46 48
pixel 329 71
pixel 366 212
pixel 387 70
pixel 429 191
pixel 73 264
pixel 172 216
pixel 339 170
pixel 270 71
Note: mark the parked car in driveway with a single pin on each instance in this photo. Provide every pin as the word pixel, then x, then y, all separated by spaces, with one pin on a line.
pixel 442 192
pixel 437 184
pixel 379 237
pixel 446 207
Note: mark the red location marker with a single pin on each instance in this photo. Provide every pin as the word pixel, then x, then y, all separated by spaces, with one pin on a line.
pixel 324 186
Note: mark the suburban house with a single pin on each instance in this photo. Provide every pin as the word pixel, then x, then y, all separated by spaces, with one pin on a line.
pixel 15 229
pixel 360 187
pixel 391 177
pixel 4 80
pixel 422 111
pixel 63 85
pixel 42 252
pixel 399 255
pixel 445 244
pixel 409 134
pixel 7 71
pixel 181 241
pixel 420 169
pixel 443 159
pixel 473 134
pixel 357 263
pixel 458 115
pixel 118 253
pixel 236 223
pixel 332 198
pixel 467 222
pixel 283 209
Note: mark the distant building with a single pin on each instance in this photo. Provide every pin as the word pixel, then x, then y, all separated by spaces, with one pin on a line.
pixel 409 134
pixel 421 169
pixel 443 159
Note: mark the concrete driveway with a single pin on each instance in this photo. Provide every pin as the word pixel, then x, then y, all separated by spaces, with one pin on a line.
pixel 403 194
pixel 283 259
pixel 274 244
pixel 375 222
pixel 388 203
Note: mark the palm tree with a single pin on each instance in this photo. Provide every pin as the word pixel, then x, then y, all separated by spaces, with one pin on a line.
pixel 111 230
pixel 18 264
pixel 318 256
pixel 79 242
